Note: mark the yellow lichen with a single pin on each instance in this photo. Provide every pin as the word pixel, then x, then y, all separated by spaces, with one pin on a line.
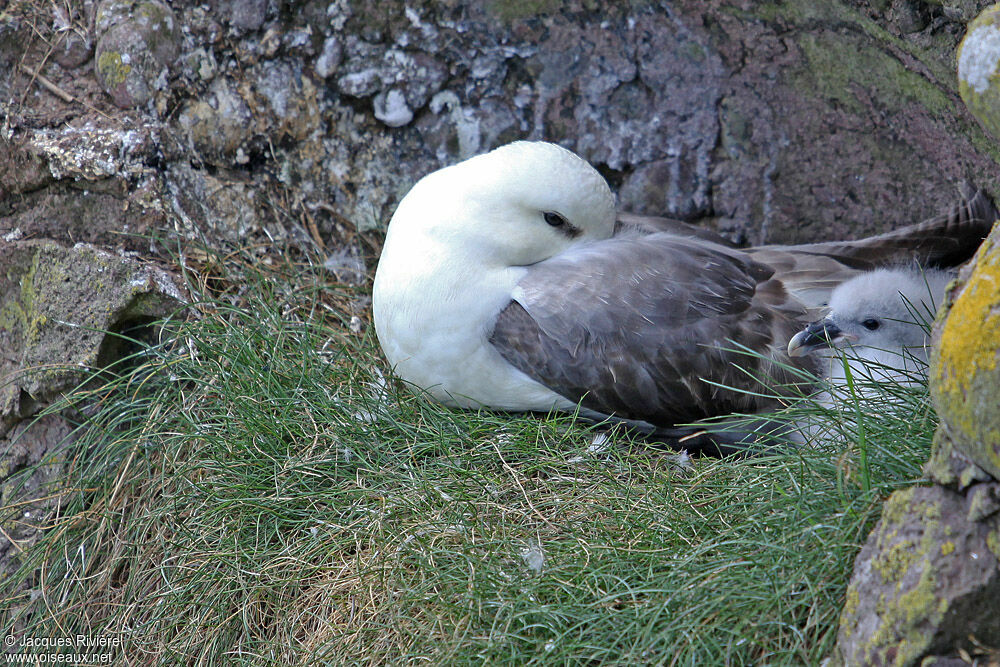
pixel 23 313
pixel 947 547
pixel 894 561
pixel 964 373
pixel 852 601
pixel 112 69
pixel 902 621
pixel 897 508
pixel 993 542
pixel 971 335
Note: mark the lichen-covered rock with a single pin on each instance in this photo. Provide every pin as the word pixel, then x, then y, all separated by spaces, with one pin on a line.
pixel 224 207
pixel 329 59
pixel 57 305
pixel 961 10
pixel 241 15
pixel 138 41
pixel 63 314
pixel 951 467
pixel 199 65
pixel 401 81
pixel 690 110
pixel 87 185
pixel 979 69
pixel 965 363
pixel 92 154
pixel 926 581
pixel 291 99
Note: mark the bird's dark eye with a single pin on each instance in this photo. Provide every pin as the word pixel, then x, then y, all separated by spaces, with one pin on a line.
pixel 554 219
pixel 871 324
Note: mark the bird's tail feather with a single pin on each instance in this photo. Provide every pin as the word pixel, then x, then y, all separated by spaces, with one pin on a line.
pixel 811 271
pixel 943 241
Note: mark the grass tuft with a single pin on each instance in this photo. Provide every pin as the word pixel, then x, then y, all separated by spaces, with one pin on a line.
pixel 260 489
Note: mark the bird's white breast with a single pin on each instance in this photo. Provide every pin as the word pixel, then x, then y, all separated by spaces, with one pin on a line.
pixel 434 309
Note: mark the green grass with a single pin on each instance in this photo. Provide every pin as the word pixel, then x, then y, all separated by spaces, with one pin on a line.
pixel 258 492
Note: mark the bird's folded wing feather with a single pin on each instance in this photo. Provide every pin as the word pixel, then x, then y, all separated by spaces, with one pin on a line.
pixel 642 327
pixel 811 271
pixel 627 223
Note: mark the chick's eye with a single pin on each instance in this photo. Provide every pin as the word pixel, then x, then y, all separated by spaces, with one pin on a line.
pixel 554 219
pixel 871 324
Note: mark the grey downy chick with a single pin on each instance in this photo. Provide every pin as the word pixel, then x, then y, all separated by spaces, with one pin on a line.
pixel 876 328
pixel 882 316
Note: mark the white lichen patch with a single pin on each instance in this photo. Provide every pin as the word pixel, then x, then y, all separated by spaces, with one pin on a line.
pixel 89 153
pixel 466 124
pixel 328 61
pixel 391 108
pixel 979 57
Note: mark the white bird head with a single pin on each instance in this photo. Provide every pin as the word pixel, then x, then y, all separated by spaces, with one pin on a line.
pixel 885 309
pixel 514 206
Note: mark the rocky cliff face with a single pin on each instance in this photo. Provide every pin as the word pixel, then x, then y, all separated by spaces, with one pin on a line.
pixel 771 122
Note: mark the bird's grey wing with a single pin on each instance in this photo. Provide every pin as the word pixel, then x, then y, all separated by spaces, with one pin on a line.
pixel 640 327
pixel 811 271
pixel 630 223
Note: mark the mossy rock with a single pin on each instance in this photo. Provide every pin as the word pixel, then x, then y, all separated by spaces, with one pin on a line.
pixel 57 306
